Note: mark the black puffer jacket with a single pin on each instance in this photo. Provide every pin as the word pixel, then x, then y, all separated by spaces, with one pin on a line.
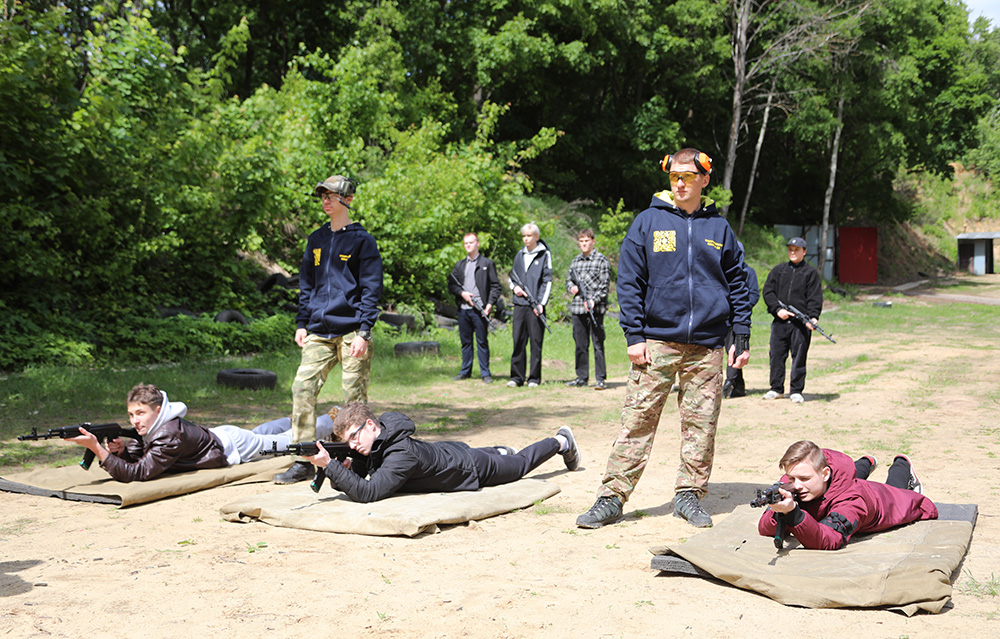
pixel 399 463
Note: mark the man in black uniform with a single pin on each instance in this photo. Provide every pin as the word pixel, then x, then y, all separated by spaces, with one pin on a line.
pixel 797 284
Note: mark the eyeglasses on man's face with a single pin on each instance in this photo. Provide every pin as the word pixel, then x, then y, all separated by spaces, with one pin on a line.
pixel 686 176
pixel 355 435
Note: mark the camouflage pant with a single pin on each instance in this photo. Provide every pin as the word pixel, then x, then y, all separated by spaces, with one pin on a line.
pixel 699 370
pixel 319 356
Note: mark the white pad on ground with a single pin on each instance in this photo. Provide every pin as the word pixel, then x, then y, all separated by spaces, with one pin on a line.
pixel 76 484
pixel 906 569
pixel 402 514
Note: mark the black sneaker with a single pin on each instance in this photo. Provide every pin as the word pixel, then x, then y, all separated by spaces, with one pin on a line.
pixel 577 382
pixel 687 506
pixel 600 385
pixel 914 483
pixel 460 377
pixel 606 510
pixel 727 389
pixel 487 380
pixel 299 471
pixel 572 454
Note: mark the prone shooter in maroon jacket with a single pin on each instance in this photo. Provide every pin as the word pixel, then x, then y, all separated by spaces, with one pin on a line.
pixel 827 499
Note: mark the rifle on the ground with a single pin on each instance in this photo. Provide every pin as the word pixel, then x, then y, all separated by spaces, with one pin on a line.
pixel 339 451
pixel 531 299
pixel 103 432
pixel 478 305
pixel 586 295
pixel 802 317
pixel 766 497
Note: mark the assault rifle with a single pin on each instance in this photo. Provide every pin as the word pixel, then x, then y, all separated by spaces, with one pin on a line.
pixel 339 451
pixel 583 291
pixel 766 497
pixel 802 317
pixel 103 432
pixel 531 299
pixel 478 305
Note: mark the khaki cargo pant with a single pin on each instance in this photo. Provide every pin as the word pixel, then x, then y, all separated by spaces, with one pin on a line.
pixel 319 356
pixel 699 371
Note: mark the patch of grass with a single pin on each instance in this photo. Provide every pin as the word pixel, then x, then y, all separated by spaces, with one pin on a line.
pixel 252 548
pixel 16 527
pixel 977 588
pixel 545 508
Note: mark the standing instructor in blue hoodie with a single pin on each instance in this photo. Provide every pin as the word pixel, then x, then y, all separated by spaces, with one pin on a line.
pixel 340 283
pixel 681 285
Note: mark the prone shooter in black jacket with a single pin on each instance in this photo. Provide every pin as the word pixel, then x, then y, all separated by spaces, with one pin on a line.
pixel 797 284
pixel 396 462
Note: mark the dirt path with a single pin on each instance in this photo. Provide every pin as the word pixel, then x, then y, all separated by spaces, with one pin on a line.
pixel 70 569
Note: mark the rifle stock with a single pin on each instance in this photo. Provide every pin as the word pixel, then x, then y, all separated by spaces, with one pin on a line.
pixel 802 317
pixel 531 300
pixel 338 451
pixel 103 432
pixel 478 305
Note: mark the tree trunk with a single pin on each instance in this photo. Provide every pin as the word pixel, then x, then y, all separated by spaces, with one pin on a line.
pixel 741 23
pixel 756 158
pixel 824 232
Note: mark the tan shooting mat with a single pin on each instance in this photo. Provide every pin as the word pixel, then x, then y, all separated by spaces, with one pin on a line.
pixel 96 485
pixel 906 569
pixel 297 506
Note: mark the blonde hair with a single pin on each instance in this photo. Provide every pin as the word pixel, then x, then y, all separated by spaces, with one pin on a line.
pixel 803 451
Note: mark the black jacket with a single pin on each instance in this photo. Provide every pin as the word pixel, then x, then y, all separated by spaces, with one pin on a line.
pixel 537 278
pixel 486 281
pixel 796 285
pixel 399 463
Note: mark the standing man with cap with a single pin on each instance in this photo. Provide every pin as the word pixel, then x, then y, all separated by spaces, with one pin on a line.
pixel 681 285
pixel 474 279
pixel 793 283
pixel 340 283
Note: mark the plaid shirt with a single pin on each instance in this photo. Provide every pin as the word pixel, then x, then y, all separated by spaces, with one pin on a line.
pixel 595 271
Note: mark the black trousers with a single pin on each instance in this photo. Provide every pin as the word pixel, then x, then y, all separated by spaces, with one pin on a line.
pixel 789 336
pixel 899 472
pixel 527 327
pixel 495 469
pixel 585 333
pixel 471 324
pixel 734 376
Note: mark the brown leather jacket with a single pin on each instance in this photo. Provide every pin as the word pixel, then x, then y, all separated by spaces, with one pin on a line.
pixel 177 446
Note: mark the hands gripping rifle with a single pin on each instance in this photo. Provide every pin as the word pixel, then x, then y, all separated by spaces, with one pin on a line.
pixel 103 432
pixel 339 451
pixel 802 317
pixel 478 305
pixel 766 497
pixel 586 295
pixel 531 299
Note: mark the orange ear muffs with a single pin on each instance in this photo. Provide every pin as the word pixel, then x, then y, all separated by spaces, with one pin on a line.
pixel 701 161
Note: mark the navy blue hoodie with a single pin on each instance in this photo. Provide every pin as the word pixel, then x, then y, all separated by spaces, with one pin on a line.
pixel 681 277
pixel 340 281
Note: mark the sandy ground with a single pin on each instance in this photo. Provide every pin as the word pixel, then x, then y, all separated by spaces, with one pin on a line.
pixel 174 568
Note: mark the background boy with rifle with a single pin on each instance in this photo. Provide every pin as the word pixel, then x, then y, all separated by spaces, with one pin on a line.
pixel 587 281
pixel 475 284
pixel 792 283
pixel 826 498
pixel 531 282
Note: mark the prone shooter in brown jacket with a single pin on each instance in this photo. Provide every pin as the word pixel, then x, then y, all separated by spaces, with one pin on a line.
pixel 172 444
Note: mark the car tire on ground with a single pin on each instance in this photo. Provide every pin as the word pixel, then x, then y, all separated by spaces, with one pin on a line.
pixel 231 316
pixel 416 348
pixel 249 378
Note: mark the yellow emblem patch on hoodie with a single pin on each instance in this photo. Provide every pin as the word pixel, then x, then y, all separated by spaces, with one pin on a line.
pixel 664 241
pixel 316 255
pixel 716 245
